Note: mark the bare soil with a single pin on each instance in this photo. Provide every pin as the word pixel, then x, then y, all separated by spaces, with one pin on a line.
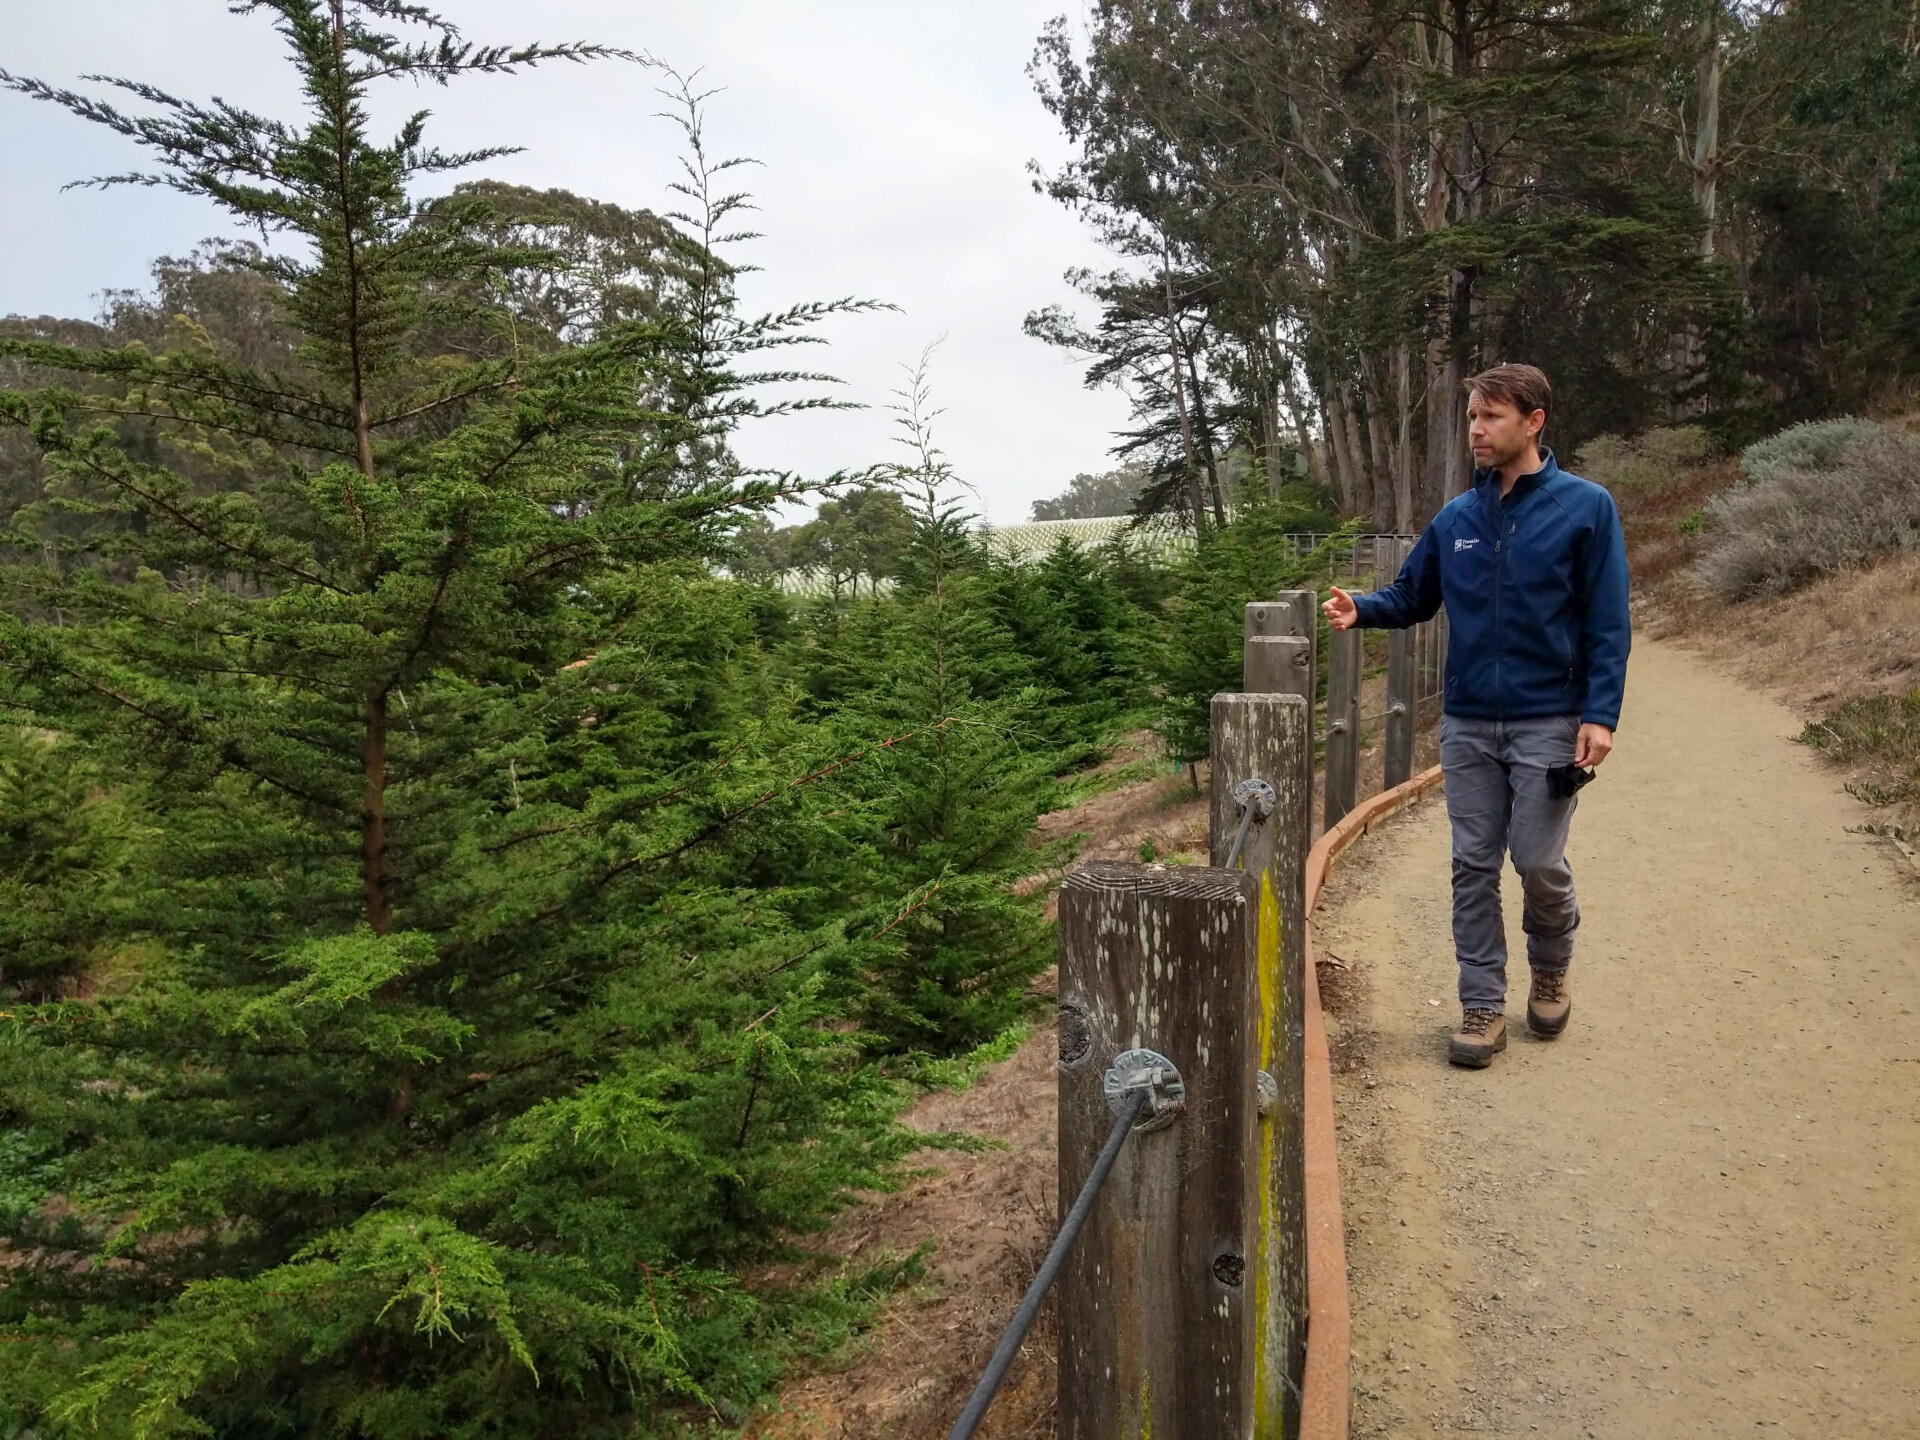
pixel 989 1217
pixel 1697 1213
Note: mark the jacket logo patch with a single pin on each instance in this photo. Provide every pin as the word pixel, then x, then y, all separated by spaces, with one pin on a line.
pixel 1464 544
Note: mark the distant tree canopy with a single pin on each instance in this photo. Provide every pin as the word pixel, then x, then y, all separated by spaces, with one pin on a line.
pixel 613 267
pixel 864 534
pixel 1330 215
pixel 1090 497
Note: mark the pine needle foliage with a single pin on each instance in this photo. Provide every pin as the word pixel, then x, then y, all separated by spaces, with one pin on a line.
pixel 457 1014
pixel 1200 645
pixel 934 659
pixel 70 849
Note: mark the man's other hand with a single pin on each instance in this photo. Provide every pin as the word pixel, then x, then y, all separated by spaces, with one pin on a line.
pixel 1342 613
pixel 1593 746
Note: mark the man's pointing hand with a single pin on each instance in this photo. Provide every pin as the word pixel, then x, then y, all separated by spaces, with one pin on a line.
pixel 1341 612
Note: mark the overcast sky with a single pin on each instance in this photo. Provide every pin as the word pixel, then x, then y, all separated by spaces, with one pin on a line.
pixel 894 137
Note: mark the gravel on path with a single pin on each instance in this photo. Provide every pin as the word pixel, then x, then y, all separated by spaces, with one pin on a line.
pixel 1697 1213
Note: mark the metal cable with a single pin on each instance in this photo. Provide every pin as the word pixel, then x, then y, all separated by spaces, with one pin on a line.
pixel 1022 1321
pixel 1240 836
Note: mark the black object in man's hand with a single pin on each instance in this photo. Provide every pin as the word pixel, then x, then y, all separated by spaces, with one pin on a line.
pixel 1564 780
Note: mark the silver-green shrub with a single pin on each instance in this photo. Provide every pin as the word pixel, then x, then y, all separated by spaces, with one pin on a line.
pixel 1817 499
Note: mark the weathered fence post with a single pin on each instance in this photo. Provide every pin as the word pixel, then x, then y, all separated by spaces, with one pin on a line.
pixel 1301 620
pixel 1282 657
pixel 1270 737
pixel 1343 724
pixel 1402 704
pixel 1157 1300
pixel 1277 659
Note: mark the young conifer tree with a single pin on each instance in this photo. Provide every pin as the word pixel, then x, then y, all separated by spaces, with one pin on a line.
pixel 1199 649
pixel 955 808
pixel 449 1050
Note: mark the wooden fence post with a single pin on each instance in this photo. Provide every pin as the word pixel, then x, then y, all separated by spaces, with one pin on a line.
pixel 1402 703
pixel 1281 656
pixel 1270 737
pixel 1275 661
pixel 1343 725
pixel 1157 1302
pixel 1300 606
pixel 1278 665
pixel 1302 609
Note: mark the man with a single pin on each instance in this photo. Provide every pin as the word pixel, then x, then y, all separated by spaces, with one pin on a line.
pixel 1532 568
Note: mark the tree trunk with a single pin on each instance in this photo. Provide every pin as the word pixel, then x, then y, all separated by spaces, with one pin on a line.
pixel 1402 374
pixel 1318 457
pixel 1706 127
pixel 1380 448
pixel 1273 422
pixel 1703 159
pixel 1459 471
pixel 1467 174
pixel 1363 480
pixel 1179 387
pixel 1404 489
pixel 1207 448
pixel 1334 421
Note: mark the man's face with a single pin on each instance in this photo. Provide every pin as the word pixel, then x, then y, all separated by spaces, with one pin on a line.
pixel 1498 432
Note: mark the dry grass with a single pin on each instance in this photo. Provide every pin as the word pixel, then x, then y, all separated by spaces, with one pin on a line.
pixel 1879 735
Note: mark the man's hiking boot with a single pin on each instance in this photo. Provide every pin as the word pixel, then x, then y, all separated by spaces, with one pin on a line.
pixel 1548 1003
pixel 1482 1035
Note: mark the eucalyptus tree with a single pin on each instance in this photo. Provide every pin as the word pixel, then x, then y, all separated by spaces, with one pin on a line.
pixel 1391 199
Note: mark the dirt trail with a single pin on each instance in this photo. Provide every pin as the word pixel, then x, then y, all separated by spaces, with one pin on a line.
pixel 1697 1214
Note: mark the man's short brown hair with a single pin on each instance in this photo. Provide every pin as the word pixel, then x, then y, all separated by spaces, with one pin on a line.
pixel 1524 387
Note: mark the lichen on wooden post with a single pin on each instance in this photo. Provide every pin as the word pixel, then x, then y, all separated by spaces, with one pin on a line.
pixel 1269 737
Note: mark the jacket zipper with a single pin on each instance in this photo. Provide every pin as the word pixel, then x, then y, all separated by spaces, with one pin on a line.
pixel 1499 582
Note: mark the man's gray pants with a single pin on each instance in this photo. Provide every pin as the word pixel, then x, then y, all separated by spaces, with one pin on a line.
pixel 1497 800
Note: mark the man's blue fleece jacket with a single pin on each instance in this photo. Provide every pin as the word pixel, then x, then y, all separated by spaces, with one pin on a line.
pixel 1536 593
